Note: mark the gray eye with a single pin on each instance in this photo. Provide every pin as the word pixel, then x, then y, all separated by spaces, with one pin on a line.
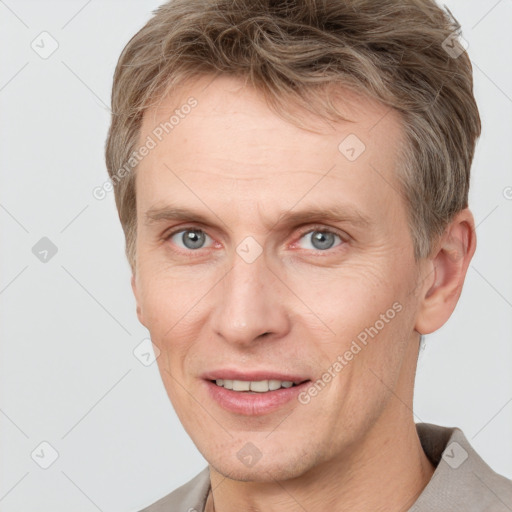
pixel 321 240
pixel 190 238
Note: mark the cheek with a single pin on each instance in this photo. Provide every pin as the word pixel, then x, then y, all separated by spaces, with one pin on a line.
pixel 175 304
pixel 168 297
pixel 360 321
pixel 344 299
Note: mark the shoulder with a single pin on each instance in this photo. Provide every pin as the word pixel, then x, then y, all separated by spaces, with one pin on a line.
pixel 190 497
pixel 462 478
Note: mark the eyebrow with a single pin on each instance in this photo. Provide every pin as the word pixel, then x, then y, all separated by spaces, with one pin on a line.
pixel 332 213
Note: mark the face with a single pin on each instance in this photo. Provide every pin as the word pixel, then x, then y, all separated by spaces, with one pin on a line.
pixel 268 254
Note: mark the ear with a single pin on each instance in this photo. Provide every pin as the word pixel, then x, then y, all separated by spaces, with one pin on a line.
pixel 135 293
pixel 445 273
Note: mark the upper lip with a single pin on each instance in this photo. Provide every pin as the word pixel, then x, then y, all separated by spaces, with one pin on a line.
pixel 255 375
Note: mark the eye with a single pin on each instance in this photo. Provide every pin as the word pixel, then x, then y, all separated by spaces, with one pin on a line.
pixel 193 239
pixel 320 239
pixel 190 238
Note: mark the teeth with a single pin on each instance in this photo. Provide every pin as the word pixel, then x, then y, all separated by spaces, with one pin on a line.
pixel 241 385
pixel 260 386
pixel 274 384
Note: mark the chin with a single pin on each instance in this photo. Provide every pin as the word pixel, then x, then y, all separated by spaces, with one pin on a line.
pixel 263 471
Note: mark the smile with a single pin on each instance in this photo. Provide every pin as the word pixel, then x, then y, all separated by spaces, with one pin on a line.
pixel 254 397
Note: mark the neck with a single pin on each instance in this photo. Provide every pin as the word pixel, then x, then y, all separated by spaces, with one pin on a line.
pixel 387 473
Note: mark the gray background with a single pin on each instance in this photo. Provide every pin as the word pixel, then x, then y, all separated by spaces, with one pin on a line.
pixel 68 374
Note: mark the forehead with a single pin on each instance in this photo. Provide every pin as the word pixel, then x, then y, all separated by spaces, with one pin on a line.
pixel 241 108
pixel 230 144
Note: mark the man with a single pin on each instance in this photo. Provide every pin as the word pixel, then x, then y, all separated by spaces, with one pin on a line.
pixel 292 179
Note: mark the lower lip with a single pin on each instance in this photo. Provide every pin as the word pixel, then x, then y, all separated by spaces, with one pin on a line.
pixel 253 404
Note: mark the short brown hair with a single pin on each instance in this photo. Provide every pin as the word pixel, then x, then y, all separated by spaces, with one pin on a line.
pixel 397 52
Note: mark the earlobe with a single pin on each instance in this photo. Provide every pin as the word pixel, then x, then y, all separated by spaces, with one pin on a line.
pixel 446 273
pixel 135 293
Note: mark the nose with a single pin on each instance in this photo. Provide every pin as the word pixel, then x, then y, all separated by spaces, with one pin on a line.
pixel 249 304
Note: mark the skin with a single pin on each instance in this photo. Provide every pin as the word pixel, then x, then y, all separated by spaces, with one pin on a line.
pixel 354 446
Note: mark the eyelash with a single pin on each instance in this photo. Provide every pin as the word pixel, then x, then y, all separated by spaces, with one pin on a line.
pixel 320 228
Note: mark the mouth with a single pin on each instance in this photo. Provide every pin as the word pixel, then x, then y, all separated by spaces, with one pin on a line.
pixel 254 395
